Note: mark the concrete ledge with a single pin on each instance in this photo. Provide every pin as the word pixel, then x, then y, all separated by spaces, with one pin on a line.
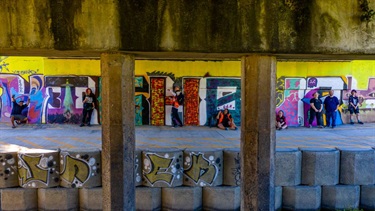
pixel 162 168
pixel 38 168
pixel 302 197
pixel 221 198
pixel 90 199
pixel 182 198
pixel 18 199
pixel 203 167
pixel 58 199
pixel 147 198
pixel 231 167
pixel 8 168
pixel 357 166
pixel 340 197
pixel 320 166
pixel 278 197
pixel 288 167
pixel 367 197
pixel 80 168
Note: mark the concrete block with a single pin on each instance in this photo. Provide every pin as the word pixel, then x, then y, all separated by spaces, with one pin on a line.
pixel 80 168
pixel 302 197
pixel 221 198
pixel 340 197
pixel 58 199
pixel 181 198
pixel 231 167
pixel 19 199
pixel 8 168
pixel 162 168
pixel 91 199
pixel 147 198
pixel 288 167
pixel 278 197
pixel 203 167
pixel 367 197
pixel 38 168
pixel 320 166
pixel 357 166
pixel 138 167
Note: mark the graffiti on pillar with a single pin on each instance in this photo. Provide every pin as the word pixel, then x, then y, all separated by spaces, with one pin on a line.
pixel 202 171
pixel 222 93
pixel 37 171
pixel 192 100
pixel 236 171
pixel 165 170
pixel 157 101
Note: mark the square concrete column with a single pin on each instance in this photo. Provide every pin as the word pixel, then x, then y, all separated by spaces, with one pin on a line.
pixel 258 132
pixel 118 131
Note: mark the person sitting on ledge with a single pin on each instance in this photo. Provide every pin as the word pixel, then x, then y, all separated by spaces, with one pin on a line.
pixel 16 114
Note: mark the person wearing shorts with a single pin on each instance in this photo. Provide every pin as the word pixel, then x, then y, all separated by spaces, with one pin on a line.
pixel 354 107
pixel 16 114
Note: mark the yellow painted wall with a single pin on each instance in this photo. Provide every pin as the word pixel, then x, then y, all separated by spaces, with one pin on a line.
pixel 89 67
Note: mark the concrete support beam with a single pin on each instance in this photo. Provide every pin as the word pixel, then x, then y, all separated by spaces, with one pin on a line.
pixel 258 132
pixel 118 131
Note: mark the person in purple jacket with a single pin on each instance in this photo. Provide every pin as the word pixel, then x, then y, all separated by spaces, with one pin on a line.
pixel 331 105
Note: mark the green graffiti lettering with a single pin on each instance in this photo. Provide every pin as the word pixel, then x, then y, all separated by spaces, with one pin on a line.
pixel 201 169
pixel 75 168
pixel 31 170
pixel 159 167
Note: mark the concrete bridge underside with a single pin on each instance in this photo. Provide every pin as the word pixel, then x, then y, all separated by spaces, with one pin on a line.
pixel 256 31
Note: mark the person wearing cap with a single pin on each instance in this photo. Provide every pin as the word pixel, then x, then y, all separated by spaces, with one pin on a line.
pixel 16 114
pixel 354 106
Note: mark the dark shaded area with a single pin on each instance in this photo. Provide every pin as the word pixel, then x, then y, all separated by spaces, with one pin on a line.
pixel 62 25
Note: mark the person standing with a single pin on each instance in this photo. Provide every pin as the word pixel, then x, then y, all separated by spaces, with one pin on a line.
pixel 16 114
pixel 331 105
pixel 89 101
pixel 354 106
pixel 316 110
pixel 177 100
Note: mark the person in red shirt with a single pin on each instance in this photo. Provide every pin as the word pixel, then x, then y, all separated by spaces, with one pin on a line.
pixel 281 121
pixel 225 120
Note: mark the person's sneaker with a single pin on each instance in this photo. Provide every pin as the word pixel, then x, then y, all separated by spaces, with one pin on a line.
pixel 310 126
pixel 359 122
pixel 320 126
pixel 81 125
pixel 333 127
pixel 235 128
pixel 351 122
pixel 13 127
pixel 226 128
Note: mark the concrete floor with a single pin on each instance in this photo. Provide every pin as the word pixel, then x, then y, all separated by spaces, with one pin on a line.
pixel 149 137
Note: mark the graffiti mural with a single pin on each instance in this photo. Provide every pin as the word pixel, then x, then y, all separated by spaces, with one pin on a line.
pixel 203 169
pixel 52 99
pixel 8 169
pixel 162 169
pixel 157 101
pixel 39 169
pixel 80 169
pixel 142 105
pixel 191 87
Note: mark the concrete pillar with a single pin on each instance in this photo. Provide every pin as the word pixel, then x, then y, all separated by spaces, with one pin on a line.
pixel 258 132
pixel 118 131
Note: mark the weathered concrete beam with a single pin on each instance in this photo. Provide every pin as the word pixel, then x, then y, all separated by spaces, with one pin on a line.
pixel 258 138
pixel 118 131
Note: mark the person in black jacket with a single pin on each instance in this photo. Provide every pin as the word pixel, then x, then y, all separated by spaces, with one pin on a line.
pixel 316 110
pixel 177 100
pixel 16 114
pixel 89 101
